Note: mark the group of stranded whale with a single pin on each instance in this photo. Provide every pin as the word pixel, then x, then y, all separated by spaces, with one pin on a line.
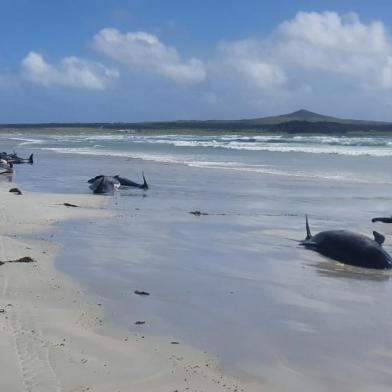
pixel 344 246
pixel 7 162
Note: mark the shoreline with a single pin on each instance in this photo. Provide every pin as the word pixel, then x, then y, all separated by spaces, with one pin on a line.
pixel 53 337
pixel 232 284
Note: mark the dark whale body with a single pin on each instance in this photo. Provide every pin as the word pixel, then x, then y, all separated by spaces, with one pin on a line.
pixel 103 184
pixel 383 219
pixel 350 248
pixel 128 183
pixel 117 182
pixel 15 159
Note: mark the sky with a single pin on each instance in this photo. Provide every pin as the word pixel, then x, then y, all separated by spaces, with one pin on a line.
pixel 149 60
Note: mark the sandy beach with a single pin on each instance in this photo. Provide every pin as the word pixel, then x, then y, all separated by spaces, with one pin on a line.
pixel 250 309
pixel 52 334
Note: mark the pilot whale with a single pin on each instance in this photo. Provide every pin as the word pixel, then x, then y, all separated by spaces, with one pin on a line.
pixel 349 248
pixel 128 183
pixel 15 159
pixel 104 184
pixel 118 182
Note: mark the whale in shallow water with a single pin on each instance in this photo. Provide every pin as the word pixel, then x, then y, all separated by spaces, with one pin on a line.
pixel 349 247
pixel 15 159
pixel 104 184
pixel 119 181
pixel 6 168
pixel 128 183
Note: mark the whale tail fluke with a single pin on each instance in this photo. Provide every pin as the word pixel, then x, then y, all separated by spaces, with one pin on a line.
pixel 31 160
pixel 308 234
pixel 145 185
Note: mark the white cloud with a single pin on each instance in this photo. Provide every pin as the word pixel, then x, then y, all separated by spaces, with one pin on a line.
pixel 71 72
pixel 246 59
pixel 144 51
pixel 337 44
pixel 329 30
pixel 313 60
pixel 326 42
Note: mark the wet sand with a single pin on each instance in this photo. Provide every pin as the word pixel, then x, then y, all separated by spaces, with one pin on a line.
pixel 53 337
pixel 234 285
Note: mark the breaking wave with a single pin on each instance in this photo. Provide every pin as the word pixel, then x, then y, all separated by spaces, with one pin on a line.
pixel 191 161
pixel 378 146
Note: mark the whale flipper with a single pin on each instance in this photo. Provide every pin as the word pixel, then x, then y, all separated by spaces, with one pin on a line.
pixel 379 238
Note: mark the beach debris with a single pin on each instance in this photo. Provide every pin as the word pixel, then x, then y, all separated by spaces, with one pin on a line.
pixel 15 191
pixel 141 292
pixel 70 205
pixel 25 259
pixel 139 322
pixel 198 213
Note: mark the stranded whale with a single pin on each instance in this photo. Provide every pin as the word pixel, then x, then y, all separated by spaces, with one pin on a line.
pixel 119 181
pixel 104 184
pixel 349 248
pixel 15 159
pixel 128 183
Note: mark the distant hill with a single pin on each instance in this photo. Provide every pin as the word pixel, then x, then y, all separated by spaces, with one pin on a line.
pixel 306 115
pixel 301 121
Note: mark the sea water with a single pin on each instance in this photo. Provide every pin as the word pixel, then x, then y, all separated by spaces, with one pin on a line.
pixel 234 282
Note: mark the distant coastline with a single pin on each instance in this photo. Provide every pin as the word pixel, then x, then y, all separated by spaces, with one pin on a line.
pixel 299 122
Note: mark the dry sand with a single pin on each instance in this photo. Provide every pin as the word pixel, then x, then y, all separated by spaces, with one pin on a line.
pixel 52 337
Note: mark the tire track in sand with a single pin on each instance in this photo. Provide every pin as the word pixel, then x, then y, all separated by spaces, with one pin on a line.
pixel 33 353
pixel 31 348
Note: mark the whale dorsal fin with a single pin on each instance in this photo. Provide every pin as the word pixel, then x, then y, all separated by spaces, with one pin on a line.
pixel 379 238
pixel 145 185
pixel 308 234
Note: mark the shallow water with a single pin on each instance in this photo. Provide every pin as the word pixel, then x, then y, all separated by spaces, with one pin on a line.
pixel 235 282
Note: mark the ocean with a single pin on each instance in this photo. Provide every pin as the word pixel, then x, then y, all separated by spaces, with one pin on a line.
pixel 234 282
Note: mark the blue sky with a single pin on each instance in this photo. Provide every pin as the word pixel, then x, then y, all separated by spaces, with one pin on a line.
pixel 136 60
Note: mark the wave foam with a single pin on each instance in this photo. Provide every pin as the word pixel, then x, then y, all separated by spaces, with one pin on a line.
pixel 227 165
